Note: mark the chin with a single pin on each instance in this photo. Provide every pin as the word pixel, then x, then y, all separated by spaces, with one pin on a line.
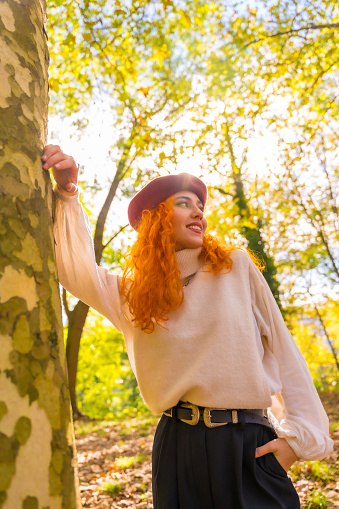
pixel 189 245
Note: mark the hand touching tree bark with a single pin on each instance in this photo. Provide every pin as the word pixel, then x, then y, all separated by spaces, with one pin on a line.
pixel 65 169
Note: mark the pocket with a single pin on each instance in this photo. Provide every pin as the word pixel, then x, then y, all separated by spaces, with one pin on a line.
pixel 275 465
pixel 269 462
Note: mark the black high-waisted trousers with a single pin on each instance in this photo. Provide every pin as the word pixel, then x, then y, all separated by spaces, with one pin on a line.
pixel 195 467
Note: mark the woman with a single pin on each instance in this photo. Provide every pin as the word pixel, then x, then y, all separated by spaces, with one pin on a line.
pixel 207 344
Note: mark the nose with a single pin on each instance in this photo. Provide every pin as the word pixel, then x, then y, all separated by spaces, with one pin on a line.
pixel 197 212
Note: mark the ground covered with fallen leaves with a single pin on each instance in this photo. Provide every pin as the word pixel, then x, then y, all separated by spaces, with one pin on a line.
pixel 114 460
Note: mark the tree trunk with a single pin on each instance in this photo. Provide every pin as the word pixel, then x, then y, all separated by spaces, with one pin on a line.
pixel 37 454
pixel 76 322
pixel 256 243
pixel 328 338
pixel 77 317
pixel 252 234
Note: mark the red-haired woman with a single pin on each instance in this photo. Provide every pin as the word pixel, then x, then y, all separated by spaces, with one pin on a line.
pixel 207 344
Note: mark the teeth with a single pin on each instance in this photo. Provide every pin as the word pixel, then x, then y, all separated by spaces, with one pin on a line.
pixel 197 228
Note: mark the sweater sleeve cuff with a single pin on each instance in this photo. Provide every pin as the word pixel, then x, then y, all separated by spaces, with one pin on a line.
pixel 308 443
pixel 71 198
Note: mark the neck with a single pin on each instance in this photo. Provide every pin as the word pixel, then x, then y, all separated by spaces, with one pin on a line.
pixel 189 261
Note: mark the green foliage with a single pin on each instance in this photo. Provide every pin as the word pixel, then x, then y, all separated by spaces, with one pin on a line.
pixel 144 497
pixel 204 80
pixel 106 386
pixel 125 426
pixel 319 471
pixel 334 426
pixel 316 500
pixel 123 462
pixel 296 45
pixel 112 488
pixel 84 427
pixel 314 471
pixel 141 424
pixel 316 353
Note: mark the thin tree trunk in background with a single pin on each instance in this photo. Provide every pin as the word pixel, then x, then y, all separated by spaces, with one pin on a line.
pixel 76 322
pixel 329 340
pixel 77 317
pixel 256 243
pixel 37 454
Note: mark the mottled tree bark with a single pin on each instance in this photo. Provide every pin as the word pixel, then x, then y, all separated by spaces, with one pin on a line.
pixel 37 455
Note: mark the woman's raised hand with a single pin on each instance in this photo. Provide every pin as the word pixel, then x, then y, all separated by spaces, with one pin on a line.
pixel 65 169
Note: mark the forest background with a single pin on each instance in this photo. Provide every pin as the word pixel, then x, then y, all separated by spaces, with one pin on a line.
pixel 243 94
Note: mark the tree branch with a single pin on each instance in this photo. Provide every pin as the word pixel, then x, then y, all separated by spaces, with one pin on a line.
pixel 222 191
pixel 119 175
pixel 318 227
pixel 328 338
pixel 292 31
pixel 115 235
pixel 65 303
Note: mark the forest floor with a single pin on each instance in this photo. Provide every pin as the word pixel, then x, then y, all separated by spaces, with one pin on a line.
pixel 114 460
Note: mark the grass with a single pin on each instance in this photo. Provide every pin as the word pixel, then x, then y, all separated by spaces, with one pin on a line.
pixel 316 500
pixel 137 424
pixel 84 427
pixel 145 433
pixel 313 470
pixel 123 462
pixel 144 497
pixel 144 487
pixel 112 488
pixel 124 426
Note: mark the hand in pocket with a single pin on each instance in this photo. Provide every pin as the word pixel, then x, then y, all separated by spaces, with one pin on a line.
pixel 281 450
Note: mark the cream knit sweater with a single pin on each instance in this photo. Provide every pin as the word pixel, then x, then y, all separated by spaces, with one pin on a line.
pixel 226 346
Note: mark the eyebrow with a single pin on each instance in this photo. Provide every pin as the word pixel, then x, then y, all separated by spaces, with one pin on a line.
pixel 187 198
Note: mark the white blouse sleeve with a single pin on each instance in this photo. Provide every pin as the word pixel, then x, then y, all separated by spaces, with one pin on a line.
pixel 297 413
pixel 77 269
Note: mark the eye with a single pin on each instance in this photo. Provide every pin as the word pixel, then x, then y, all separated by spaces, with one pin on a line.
pixel 185 203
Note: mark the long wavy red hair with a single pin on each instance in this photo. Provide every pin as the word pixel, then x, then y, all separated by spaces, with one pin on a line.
pixel 151 279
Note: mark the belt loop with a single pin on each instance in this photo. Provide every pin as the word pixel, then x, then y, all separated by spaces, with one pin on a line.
pixel 235 416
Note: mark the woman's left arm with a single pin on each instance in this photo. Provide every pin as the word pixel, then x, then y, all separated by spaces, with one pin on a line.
pixel 299 418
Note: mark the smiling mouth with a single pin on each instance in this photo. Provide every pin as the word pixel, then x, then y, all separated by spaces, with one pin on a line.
pixel 196 229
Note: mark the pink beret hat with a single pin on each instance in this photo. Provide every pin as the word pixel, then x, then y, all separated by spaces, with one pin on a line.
pixel 161 188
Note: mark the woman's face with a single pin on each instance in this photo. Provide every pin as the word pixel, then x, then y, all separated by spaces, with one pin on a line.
pixel 189 224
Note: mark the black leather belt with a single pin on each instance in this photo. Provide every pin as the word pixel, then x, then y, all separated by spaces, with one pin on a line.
pixel 214 417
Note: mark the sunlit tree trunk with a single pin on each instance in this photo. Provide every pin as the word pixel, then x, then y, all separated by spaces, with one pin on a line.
pixel 37 454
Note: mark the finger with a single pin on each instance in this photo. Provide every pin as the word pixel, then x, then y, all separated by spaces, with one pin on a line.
pixel 265 449
pixel 49 150
pixel 55 159
pixel 261 451
pixel 66 164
